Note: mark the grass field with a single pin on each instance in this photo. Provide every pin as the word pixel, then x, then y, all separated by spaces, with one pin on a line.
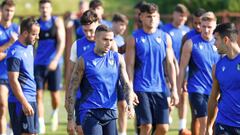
pixel 63 118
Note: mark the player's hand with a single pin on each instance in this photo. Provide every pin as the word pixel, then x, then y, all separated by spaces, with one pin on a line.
pixel 27 109
pixel 130 111
pixel 174 99
pixel 134 98
pixel 14 37
pixel 209 131
pixel 71 127
pixel 53 65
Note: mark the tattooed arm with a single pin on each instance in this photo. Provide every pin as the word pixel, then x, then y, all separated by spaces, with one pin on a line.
pixel 75 81
pixel 128 90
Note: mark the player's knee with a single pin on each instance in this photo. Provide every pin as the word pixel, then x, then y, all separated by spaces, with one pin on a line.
pixel 3 108
pixel 162 129
pixel 122 106
pixel 146 127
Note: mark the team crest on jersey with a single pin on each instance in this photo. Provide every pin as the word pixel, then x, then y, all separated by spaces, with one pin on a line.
pixel 172 33
pixel 13 51
pixel 238 66
pixel 143 40
pixel 184 32
pixel 200 46
pixel 159 40
pixel 223 68
pixel 94 63
pixel 25 125
pixel 85 48
pixel 214 48
pixel 25 54
pixel 111 61
pixel 1 32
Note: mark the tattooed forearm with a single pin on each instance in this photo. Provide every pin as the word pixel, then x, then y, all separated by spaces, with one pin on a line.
pixel 73 86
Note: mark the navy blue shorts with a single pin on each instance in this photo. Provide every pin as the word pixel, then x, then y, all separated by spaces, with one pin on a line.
pixel 198 103
pixel 4 82
pixel 120 92
pixel 20 122
pixel 221 129
pixel 152 108
pixel 100 122
pixel 77 112
pixel 54 78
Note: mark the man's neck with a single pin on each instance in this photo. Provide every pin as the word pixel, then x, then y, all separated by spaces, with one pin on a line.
pixel 46 18
pixel 6 24
pixel 99 52
pixel 233 51
pixel 149 30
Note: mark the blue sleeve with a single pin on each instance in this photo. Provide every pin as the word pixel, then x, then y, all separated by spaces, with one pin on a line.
pixel 13 64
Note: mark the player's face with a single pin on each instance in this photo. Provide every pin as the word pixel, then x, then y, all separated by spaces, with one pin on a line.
pixel 89 30
pixel 207 28
pixel 196 23
pixel 221 47
pixel 45 9
pixel 8 12
pixel 33 35
pixel 104 41
pixel 99 11
pixel 179 18
pixel 119 27
pixel 150 20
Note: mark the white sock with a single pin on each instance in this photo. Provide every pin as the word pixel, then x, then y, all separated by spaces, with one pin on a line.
pixel 41 121
pixel 170 120
pixel 182 123
pixel 123 133
pixel 55 111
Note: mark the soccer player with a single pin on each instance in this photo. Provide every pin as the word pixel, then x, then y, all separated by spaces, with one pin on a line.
pixel 89 21
pixel 97 72
pixel 146 51
pixel 200 54
pixel 48 61
pixel 8 35
pixel 184 96
pixel 224 104
pixel 97 6
pixel 22 95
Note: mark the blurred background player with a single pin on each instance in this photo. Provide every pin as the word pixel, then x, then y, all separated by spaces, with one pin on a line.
pixel 199 53
pixel 8 35
pixel 48 61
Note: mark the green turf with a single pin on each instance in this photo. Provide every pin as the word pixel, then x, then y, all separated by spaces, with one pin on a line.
pixel 63 118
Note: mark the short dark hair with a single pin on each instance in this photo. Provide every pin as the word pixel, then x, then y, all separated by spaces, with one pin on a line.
pixel 9 3
pixel 148 8
pixel 227 29
pixel 44 1
pixel 26 24
pixel 103 28
pixel 88 17
pixel 118 17
pixel 181 9
pixel 95 3
pixel 139 4
pixel 199 12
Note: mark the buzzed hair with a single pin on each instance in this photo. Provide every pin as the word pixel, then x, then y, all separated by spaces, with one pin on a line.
pixel 227 29
pixel 199 12
pixel 208 16
pixel 118 17
pixel 149 8
pixel 103 28
pixel 26 24
pixel 94 4
pixel 9 3
pixel 44 1
pixel 88 17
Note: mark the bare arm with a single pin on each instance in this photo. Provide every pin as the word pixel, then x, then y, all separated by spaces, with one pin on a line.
pixel 2 56
pixel 13 38
pixel 185 58
pixel 68 77
pixel 16 87
pixel 114 46
pixel 130 59
pixel 75 80
pixel 171 70
pixel 61 35
pixel 212 103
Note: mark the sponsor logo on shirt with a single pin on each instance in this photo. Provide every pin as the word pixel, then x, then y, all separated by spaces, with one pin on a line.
pixel 159 40
pixel 200 47
pixel 111 61
pixel 238 66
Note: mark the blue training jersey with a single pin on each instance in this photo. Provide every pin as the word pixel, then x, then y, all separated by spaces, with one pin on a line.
pixel 191 34
pixel 204 55
pixel 150 55
pixel 176 35
pixel 98 86
pixel 47 44
pixel 20 59
pixel 228 76
pixel 83 46
pixel 5 36
pixel 78 29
